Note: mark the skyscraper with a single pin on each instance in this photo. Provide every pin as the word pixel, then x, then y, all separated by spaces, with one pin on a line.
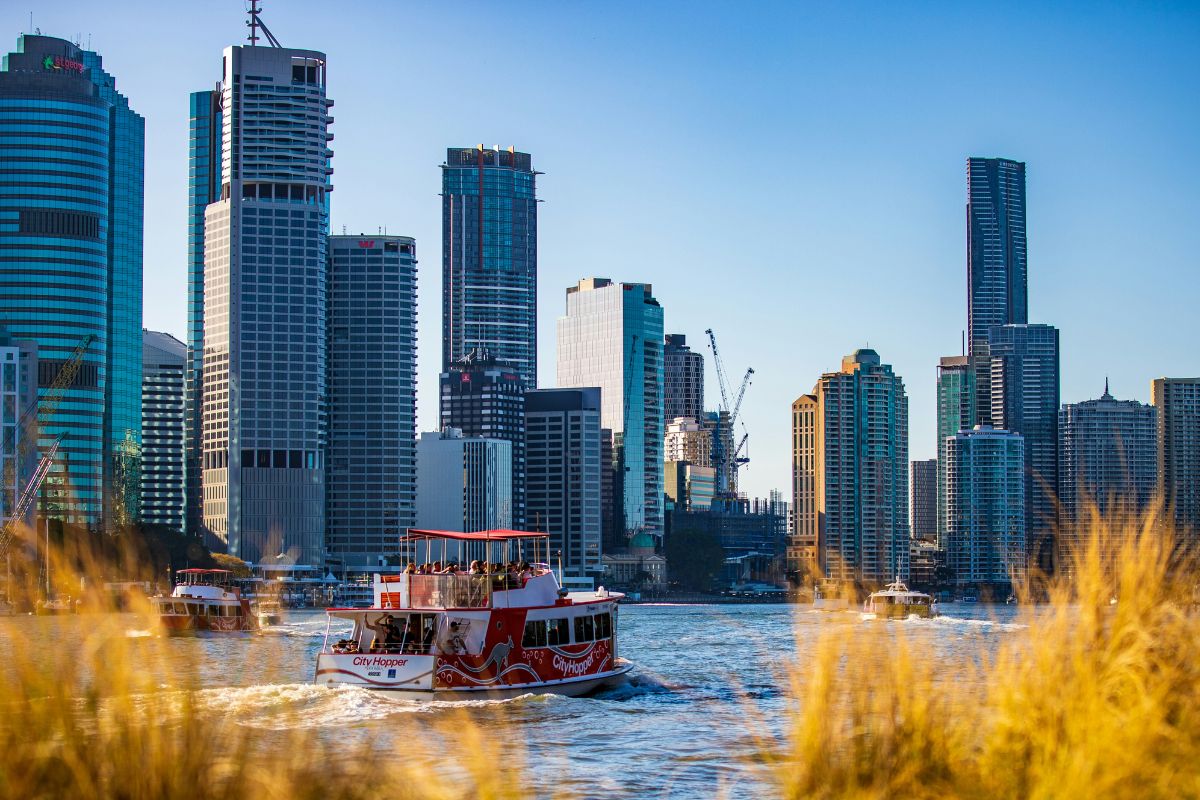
pixel 956 411
pixel 465 482
pixel 562 451
pixel 850 473
pixel 922 502
pixel 371 475
pixel 612 337
pixel 489 257
pixel 1024 382
pixel 72 156
pixel 683 379
pixel 1177 401
pixel 164 359
pixel 1106 454
pixel 481 396
pixel 997 291
pixel 262 302
pixel 688 440
pixel 985 508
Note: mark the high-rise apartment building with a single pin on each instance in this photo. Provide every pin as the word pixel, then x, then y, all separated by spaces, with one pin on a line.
pixel 482 396
pixel 997 282
pixel 956 411
pixel 688 440
pixel 683 379
pixel 985 508
pixel 1107 454
pixel 465 483
pixel 261 180
pixel 1177 401
pixel 72 155
pixel 489 257
pixel 850 474
pixel 922 499
pixel 1024 383
pixel 164 361
pixel 562 478
pixel 371 469
pixel 612 337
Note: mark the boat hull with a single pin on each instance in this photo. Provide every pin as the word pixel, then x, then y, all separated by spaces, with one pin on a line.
pixel 901 611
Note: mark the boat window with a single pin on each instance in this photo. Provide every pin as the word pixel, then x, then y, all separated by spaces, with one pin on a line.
pixel 584 629
pixel 535 633
pixel 194 609
pixel 557 632
pixel 604 626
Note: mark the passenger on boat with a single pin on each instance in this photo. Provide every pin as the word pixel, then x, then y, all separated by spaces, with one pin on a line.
pixel 453 641
pixel 387 634
pixel 476 567
pixel 411 569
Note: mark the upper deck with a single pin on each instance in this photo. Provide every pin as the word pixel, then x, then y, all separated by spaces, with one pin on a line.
pixel 466 591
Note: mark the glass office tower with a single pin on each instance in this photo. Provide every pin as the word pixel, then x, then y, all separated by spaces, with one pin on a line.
pixel 72 156
pixel 489 257
pixel 262 384
pixel 164 359
pixel 956 411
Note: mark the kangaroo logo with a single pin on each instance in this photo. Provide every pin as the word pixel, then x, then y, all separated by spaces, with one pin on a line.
pixel 498 657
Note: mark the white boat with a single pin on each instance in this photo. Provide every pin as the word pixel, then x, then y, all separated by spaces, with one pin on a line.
pixel 449 636
pixel 897 601
pixel 269 613
pixel 205 600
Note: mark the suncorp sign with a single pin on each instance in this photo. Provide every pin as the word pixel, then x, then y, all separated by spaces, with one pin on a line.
pixel 59 63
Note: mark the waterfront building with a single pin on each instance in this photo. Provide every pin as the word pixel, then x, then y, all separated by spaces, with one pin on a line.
pixel 850 474
pixel 72 155
pixel 612 337
pixel 683 379
pixel 1106 455
pixel 1177 401
pixel 687 440
pixel 257 299
pixel 956 411
pixel 463 483
pixel 489 257
pixel 742 526
pixel 18 395
pixel 164 361
pixel 997 281
pixel 688 487
pixel 985 505
pixel 638 567
pixel 1024 382
pixel 482 396
pixel 922 499
pixel 562 480
pixel 371 474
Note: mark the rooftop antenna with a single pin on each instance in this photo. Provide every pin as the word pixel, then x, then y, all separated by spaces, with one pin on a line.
pixel 255 23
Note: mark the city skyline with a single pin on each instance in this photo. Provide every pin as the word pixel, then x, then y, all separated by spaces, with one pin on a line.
pixel 912 266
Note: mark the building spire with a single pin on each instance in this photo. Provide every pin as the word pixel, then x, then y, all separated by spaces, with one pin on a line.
pixel 1106 394
pixel 255 23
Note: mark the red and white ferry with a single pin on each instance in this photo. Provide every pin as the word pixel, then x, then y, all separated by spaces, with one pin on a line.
pixel 453 635
pixel 205 600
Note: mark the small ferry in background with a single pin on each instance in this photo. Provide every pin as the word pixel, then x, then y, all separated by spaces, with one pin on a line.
pixel 498 630
pixel 205 600
pixel 897 601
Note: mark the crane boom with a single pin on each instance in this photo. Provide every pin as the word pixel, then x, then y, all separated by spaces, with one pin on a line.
pixel 730 461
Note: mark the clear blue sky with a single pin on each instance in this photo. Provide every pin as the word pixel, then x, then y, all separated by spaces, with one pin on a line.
pixel 792 175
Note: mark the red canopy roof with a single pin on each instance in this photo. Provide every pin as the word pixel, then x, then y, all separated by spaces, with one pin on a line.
pixel 476 536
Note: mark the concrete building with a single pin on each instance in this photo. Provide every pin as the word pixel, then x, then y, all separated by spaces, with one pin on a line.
pixel 371 469
pixel 683 379
pixel 71 227
pixel 562 452
pixel 1177 401
pixel 997 273
pixel 1107 455
pixel 1024 382
pixel 482 396
pixel 164 362
pixel 956 411
pixel 850 474
pixel 18 396
pixel 257 301
pixel 639 567
pixel 742 526
pixel 612 337
pixel 922 499
pixel 985 504
pixel 489 257
pixel 463 483
pixel 687 440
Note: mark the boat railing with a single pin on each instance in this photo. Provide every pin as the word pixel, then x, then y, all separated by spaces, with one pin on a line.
pixel 440 591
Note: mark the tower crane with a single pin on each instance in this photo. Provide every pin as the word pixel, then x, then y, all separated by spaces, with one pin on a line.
pixel 730 458
pixel 44 409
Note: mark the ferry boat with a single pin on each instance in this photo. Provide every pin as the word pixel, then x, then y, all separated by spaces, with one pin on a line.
pixel 205 600
pixel 897 601
pixel 449 636
pixel 269 613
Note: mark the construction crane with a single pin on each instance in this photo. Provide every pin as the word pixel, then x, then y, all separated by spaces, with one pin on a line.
pixel 39 411
pixel 730 459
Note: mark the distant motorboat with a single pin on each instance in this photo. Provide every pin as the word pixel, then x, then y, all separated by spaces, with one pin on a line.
pixel 897 601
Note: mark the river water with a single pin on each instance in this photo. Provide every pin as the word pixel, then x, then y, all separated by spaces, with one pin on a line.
pixel 708 688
